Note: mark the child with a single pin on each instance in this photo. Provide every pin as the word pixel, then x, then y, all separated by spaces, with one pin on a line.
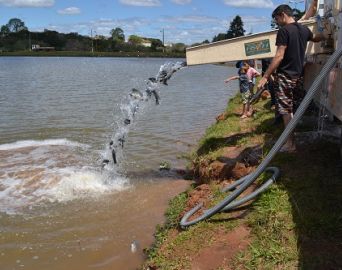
pixel 244 90
pixel 252 73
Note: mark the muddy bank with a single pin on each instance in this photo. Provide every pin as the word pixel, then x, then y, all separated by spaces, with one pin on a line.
pixel 282 228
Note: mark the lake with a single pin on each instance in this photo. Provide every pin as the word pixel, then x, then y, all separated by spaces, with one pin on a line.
pixel 59 207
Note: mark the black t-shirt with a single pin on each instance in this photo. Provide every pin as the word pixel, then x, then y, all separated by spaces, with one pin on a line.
pixel 295 36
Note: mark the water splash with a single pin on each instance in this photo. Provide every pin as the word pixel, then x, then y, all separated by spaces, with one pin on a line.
pixel 35 143
pixel 134 104
pixel 34 172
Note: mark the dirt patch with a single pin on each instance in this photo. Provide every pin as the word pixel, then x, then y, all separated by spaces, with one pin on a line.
pixel 235 162
pixel 225 247
pixel 221 117
pixel 201 194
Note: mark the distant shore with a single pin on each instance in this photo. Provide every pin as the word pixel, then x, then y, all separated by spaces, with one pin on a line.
pixel 92 54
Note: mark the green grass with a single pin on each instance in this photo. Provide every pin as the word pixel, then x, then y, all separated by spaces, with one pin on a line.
pixel 274 242
pixel 233 131
pixel 296 224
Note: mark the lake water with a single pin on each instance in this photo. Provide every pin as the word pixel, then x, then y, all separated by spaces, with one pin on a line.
pixel 59 209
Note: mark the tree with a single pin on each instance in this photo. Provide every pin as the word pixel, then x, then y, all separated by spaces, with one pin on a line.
pixel 53 38
pixel 155 43
pixel 220 36
pixel 4 30
pixel 15 25
pixel 236 28
pixel 135 40
pixel 178 47
pixel 117 35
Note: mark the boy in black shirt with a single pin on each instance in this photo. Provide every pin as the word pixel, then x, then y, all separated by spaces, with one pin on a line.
pixel 291 44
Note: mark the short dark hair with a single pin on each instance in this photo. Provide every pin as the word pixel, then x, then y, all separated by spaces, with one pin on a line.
pixel 283 8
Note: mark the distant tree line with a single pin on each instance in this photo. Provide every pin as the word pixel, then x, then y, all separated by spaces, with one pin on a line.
pixel 15 36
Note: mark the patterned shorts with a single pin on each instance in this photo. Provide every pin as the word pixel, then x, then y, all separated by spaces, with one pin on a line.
pixel 246 96
pixel 288 93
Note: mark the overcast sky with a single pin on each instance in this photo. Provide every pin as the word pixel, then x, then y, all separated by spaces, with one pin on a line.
pixel 186 21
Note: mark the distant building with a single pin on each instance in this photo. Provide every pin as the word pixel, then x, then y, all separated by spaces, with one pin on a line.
pixel 36 47
pixel 146 43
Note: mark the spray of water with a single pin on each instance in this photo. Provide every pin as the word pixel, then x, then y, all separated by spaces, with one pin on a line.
pixel 58 170
pixel 134 104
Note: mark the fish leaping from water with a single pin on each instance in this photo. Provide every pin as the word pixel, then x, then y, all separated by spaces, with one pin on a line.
pixel 152 87
pixel 166 71
pixel 136 94
pixel 104 163
pixel 111 146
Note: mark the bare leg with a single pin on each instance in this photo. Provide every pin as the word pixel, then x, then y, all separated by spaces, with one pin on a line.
pixel 247 107
pixel 244 111
pixel 250 110
pixel 289 144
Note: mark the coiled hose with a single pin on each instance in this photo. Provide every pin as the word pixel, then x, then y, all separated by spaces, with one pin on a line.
pixel 227 203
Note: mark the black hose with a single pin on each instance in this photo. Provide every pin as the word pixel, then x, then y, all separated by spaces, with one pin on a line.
pixel 282 139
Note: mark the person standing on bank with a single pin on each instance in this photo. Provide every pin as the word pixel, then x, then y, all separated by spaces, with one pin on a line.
pixel 247 110
pixel 291 42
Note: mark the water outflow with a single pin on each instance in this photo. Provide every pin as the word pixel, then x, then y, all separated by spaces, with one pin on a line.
pixel 133 104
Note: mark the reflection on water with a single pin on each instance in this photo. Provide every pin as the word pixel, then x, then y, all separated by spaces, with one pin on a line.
pixel 58 208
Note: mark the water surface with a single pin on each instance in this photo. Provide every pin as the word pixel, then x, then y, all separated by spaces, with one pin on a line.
pixel 58 208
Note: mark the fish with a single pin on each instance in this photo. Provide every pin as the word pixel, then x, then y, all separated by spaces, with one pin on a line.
pixel 156 96
pixel 152 84
pixel 136 94
pixel 166 71
pixel 121 141
pixel 114 156
pixel 134 246
pixel 164 76
pixel 127 121
pixel 111 146
pixel 152 87
pixel 154 80
pixel 135 109
pixel 104 163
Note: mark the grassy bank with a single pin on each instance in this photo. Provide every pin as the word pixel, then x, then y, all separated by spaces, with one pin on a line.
pixel 295 224
pixel 90 54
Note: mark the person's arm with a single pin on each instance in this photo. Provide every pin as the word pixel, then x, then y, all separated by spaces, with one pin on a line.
pixel 312 10
pixel 256 73
pixel 318 37
pixel 231 78
pixel 273 66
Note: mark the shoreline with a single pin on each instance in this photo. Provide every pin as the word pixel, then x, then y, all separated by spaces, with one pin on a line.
pixel 273 231
pixel 90 54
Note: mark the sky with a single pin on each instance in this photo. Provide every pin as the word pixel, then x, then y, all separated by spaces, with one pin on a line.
pixel 184 21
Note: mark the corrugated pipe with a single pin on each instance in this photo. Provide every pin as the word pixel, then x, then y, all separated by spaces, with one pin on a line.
pixel 246 181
